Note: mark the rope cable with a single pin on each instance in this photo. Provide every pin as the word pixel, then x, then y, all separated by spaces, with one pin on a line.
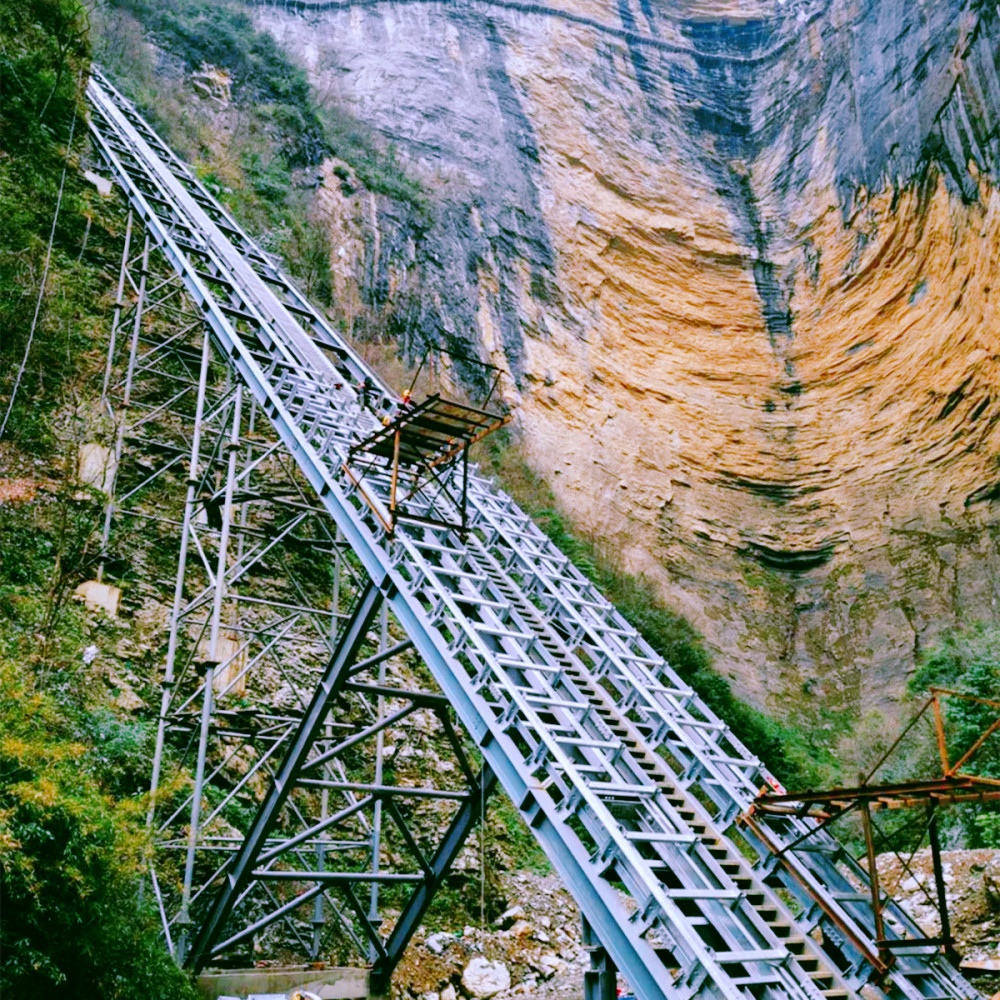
pixel 482 848
pixel 45 271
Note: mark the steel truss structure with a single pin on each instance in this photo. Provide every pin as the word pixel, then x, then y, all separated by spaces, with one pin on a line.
pixel 953 786
pixel 296 819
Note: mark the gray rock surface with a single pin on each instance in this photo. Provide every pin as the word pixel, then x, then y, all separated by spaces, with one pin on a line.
pixel 483 978
pixel 604 179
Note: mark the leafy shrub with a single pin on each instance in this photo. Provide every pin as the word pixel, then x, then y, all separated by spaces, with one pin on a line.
pixel 120 751
pixel 70 858
pixel 43 59
pixel 968 660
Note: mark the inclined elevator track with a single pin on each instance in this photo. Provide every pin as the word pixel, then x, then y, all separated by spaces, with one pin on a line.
pixel 638 794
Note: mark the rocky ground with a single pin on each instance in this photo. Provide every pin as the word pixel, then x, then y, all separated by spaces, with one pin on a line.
pixel 535 947
pixel 973 897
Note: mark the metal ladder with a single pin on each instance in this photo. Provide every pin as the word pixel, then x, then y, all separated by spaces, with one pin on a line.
pixel 629 782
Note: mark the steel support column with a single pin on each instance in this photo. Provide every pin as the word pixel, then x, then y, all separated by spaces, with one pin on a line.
pixel 241 870
pixel 600 981
pixel 416 906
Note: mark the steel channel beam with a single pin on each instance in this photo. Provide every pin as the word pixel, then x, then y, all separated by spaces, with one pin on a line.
pixel 393 571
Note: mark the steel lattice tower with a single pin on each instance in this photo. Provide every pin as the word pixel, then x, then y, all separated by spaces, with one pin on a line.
pixel 297 570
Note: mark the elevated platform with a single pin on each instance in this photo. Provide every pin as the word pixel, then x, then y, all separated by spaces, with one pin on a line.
pixel 417 452
pixel 328 983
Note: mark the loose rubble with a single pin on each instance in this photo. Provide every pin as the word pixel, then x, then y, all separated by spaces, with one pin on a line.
pixel 532 948
pixel 972 881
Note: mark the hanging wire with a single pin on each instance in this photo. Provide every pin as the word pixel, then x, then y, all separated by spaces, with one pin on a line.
pixel 45 272
pixel 482 849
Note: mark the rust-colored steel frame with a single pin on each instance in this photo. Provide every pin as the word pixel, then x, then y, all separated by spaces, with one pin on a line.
pixel 423 442
pixel 469 360
pixel 952 787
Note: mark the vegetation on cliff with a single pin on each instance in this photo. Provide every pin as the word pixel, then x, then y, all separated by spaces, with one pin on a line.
pixel 45 209
pixel 967 660
pixel 71 826
pixel 231 102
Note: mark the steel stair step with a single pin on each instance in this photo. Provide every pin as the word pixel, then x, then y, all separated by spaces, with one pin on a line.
pixel 754 955
pixel 660 837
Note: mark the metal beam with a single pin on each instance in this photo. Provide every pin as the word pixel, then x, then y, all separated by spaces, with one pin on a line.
pixel 416 906
pixel 241 870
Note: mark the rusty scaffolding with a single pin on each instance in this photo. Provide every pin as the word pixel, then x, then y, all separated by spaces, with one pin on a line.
pixel 953 786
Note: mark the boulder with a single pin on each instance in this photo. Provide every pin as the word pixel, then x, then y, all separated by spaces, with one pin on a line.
pixel 511 917
pixel 549 963
pixel 436 943
pixel 483 978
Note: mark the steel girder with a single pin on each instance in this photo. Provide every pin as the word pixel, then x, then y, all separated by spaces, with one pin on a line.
pixel 629 782
pixel 260 565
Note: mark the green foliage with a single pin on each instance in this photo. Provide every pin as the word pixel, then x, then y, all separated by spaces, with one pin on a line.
pixel 987 826
pixel 45 51
pixel 967 660
pixel 120 750
pixel 377 166
pixel 222 34
pixel 238 812
pixel 71 776
pixel 26 555
pixel 43 60
pixel 508 829
pixel 49 547
pixel 70 858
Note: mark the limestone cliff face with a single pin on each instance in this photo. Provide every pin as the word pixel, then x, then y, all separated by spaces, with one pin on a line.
pixel 742 259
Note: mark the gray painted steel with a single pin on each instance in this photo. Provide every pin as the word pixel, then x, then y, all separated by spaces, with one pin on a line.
pixel 629 782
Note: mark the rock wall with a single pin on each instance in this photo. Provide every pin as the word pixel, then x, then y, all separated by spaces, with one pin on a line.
pixel 742 261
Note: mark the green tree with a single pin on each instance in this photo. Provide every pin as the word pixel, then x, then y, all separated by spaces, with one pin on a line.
pixel 70 857
pixel 44 59
pixel 968 660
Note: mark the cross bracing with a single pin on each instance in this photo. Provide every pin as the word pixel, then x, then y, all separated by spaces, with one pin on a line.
pixel 639 795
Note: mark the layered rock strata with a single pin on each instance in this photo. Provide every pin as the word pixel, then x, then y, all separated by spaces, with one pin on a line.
pixel 742 261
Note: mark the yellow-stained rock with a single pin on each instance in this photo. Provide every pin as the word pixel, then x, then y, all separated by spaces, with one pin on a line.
pixel 741 259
